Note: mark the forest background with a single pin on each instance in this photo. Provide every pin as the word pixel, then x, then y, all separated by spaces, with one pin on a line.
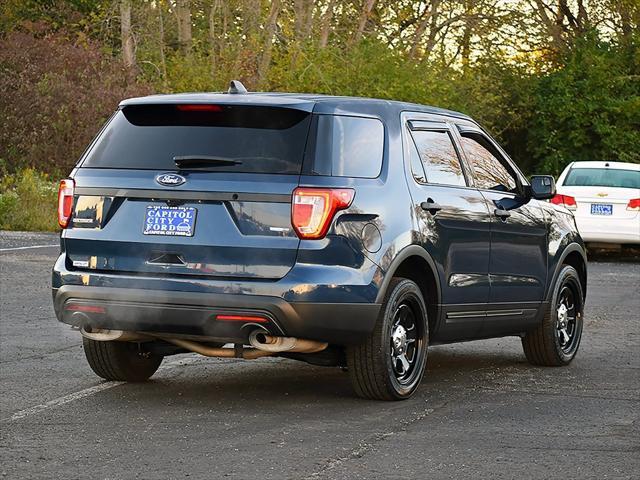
pixel 554 81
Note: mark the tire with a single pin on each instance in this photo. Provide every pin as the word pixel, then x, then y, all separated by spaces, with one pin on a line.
pixel 375 367
pixel 122 361
pixel 556 340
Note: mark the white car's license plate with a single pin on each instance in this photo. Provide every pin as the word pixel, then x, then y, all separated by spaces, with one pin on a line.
pixel 601 209
pixel 175 221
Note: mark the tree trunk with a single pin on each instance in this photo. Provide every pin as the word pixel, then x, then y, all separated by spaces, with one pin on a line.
pixel 270 30
pixel 553 26
pixel 213 43
pixel 183 15
pixel 362 21
pixel 126 37
pixel 308 24
pixel 325 27
pixel 251 17
pixel 298 18
pixel 433 30
pixel 469 25
pixel 427 21
pixel 163 60
pixel 624 9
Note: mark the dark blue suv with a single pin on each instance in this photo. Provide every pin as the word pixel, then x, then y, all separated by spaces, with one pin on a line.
pixel 339 231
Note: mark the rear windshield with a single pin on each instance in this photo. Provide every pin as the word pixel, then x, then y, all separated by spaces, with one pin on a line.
pixel 256 139
pixel 602 177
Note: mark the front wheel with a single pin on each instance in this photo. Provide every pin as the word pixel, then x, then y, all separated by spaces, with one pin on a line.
pixel 556 340
pixel 391 362
pixel 123 361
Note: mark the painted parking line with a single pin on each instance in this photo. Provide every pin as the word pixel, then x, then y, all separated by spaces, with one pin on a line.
pixel 26 248
pixel 87 392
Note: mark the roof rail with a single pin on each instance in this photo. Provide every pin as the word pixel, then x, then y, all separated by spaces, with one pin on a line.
pixel 236 86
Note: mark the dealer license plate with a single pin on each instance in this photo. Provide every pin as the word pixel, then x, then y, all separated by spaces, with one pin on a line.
pixel 174 221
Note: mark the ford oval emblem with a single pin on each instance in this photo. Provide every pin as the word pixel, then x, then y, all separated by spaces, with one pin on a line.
pixel 170 179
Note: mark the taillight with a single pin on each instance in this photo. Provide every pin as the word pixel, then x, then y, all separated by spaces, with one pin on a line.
pixel 65 201
pixel 74 307
pixel 566 200
pixel 634 204
pixel 313 209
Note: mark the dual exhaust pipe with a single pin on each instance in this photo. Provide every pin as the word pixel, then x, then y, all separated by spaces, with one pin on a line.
pixel 268 343
pixel 262 343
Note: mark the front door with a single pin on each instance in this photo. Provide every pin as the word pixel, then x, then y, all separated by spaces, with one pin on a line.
pixel 455 226
pixel 518 260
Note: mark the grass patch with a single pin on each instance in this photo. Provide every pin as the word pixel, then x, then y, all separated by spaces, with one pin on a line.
pixel 28 202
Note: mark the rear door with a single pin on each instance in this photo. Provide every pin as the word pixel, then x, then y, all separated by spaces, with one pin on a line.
pixel 455 225
pixel 518 263
pixel 223 210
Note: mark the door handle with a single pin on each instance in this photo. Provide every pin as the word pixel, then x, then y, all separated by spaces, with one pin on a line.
pixel 430 206
pixel 502 214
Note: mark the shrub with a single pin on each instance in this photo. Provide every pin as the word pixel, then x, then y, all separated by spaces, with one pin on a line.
pixel 55 96
pixel 28 201
pixel 589 109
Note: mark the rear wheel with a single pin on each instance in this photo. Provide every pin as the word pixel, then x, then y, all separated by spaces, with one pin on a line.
pixel 122 361
pixel 556 340
pixel 390 363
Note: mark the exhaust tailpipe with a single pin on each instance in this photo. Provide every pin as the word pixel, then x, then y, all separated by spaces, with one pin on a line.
pixel 268 343
pixel 104 335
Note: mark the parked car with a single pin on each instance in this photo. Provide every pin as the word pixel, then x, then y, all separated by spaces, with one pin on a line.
pixel 605 200
pixel 339 231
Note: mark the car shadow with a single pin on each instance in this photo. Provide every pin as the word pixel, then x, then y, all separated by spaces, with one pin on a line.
pixel 278 385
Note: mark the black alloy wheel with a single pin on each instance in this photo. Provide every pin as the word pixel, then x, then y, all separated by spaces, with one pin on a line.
pixel 390 364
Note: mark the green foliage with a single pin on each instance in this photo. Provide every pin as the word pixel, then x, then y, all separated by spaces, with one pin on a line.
pixel 28 202
pixel 549 100
pixel 589 109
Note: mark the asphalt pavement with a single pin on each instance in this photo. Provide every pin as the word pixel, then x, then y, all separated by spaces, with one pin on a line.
pixel 481 412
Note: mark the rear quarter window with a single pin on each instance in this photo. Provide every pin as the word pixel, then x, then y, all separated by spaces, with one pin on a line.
pixel 347 146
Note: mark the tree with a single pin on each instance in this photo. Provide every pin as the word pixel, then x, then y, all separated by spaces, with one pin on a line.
pixel 325 26
pixel 126 36
pixel 183 16
pixel 268 40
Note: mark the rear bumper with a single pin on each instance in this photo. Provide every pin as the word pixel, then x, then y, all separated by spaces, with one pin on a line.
pixel 196 314
pixel 609 230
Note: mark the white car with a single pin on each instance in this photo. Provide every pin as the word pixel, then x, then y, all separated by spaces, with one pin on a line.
pixel 604 198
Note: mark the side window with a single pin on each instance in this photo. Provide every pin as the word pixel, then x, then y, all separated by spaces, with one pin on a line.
pixel 348 146
pixel 489 173
pixel 439 157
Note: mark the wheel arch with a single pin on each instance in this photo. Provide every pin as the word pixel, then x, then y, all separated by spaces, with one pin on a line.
pixel 574 256
pixel 414 263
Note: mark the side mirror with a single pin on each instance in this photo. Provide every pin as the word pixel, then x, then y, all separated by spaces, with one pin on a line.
pixel 543 187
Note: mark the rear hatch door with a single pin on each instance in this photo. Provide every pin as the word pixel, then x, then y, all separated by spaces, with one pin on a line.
pixel 190 189
pixel 602 202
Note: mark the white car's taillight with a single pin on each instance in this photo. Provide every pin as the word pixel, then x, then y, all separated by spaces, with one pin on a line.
pixel 634 204
pixel 566 200
pixel 313 209
pixel 65 201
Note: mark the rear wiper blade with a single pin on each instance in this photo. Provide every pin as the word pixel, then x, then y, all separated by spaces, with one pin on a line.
pixel 203 161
